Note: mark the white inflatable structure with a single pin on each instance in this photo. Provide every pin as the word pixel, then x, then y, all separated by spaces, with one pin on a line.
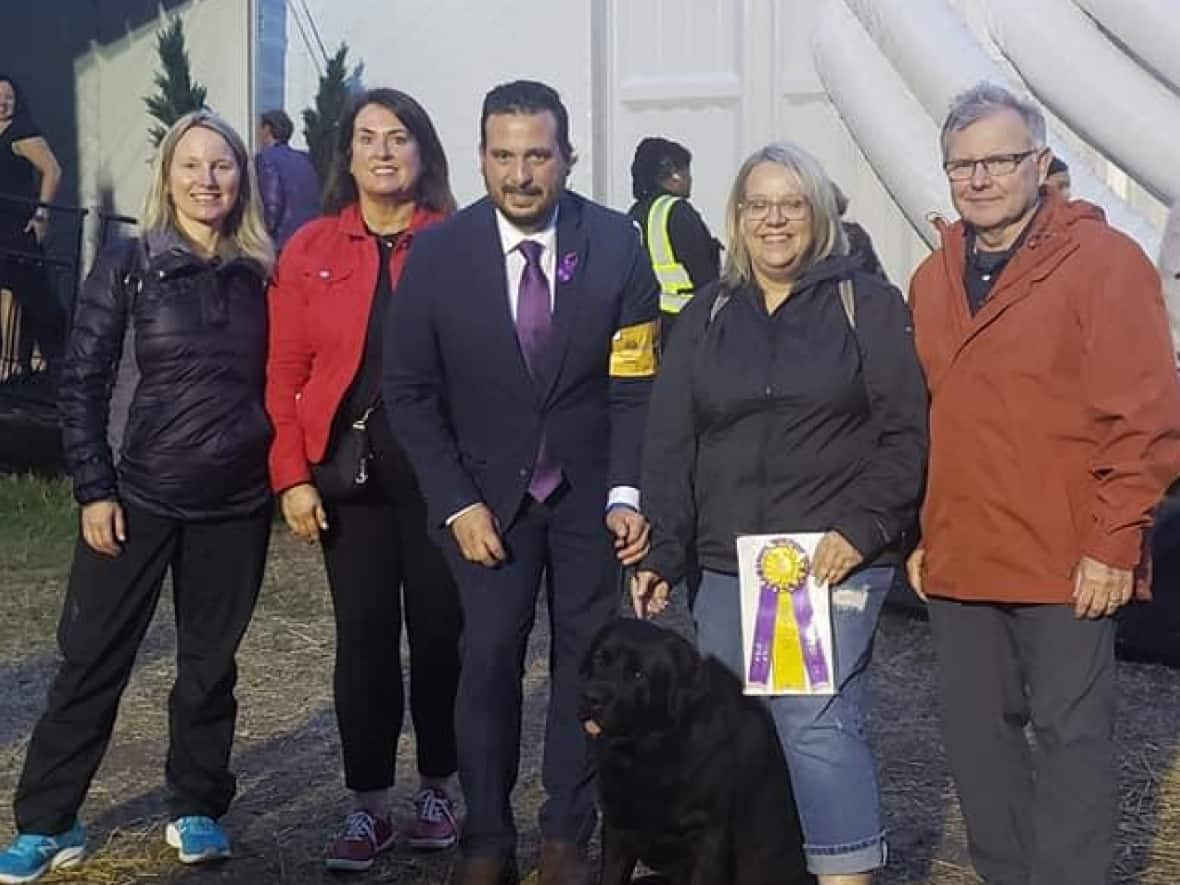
pixel 854 37
pixel 1101 92
pixel 898 138
pixel 1148 29
pixel 892 67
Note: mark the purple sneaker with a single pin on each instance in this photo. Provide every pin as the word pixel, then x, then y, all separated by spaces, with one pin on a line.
pixel 364 837
pixel 433 826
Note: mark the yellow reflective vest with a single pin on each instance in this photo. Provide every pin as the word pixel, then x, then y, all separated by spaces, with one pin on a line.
pixel 675 284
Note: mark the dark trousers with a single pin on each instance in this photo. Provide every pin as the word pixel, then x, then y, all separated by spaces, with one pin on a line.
pixel 566 541
pixel 217 569
pixel 379 557
pixel 43 319
pixel 1043 814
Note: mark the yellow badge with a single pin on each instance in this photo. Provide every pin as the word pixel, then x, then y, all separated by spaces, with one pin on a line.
pixel 634 351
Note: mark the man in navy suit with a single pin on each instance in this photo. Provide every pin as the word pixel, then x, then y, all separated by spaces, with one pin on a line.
pixel 522 347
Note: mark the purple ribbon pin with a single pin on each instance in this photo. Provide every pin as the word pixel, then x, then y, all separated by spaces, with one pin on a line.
pixel 566 267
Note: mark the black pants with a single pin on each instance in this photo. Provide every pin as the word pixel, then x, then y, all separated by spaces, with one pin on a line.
pixel 1043 815
pixel 566 541
pixel 378 557
pixel 43 319
pixel 217 569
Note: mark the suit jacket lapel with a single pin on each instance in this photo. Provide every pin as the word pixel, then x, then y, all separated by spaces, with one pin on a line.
pixel 491 301
pixel 573 246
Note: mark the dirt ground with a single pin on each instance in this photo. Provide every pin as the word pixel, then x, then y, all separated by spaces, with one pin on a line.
pixel 291 797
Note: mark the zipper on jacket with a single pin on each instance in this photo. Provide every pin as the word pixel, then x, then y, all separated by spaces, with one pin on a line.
pixel 767 394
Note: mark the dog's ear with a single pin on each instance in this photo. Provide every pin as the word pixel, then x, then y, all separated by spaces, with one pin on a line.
pixel 689 683
pixel 597 650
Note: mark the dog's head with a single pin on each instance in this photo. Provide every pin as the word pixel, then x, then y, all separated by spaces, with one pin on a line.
pixel 637 680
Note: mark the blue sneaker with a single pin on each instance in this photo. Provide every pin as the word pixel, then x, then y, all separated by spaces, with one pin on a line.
pixel 29 857
pixel 197 839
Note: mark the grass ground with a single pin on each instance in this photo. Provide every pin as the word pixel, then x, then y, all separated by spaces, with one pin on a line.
pixel 290 794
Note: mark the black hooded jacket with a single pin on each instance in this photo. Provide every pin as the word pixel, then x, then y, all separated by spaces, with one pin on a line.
pixel 790 422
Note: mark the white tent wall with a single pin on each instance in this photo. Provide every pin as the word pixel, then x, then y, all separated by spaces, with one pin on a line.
pixel 447 54
pixel 114 151
pixel 726 76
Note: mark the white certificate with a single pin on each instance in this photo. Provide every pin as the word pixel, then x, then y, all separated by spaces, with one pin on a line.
pixel 786 617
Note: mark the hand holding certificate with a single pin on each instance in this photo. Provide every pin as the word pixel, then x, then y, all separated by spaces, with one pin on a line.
pixel 786 616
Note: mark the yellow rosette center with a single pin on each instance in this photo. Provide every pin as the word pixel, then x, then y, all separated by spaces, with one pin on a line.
pixel 783 566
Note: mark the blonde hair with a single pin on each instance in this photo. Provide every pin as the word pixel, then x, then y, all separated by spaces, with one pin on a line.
pixel 244 232
pixel 827 233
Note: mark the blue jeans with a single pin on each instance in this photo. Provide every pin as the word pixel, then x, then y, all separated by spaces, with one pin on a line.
pixel 832 768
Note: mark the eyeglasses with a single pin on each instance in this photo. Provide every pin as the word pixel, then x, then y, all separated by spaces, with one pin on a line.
pixel 996 166
pixel 759 210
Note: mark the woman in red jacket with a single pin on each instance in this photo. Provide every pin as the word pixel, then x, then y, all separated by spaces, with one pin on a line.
pixel 343 480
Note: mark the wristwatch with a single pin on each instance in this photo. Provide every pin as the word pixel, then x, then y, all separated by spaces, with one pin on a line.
pixel 40 214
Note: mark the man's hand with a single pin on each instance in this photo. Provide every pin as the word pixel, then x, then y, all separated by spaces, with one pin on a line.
pixel 477 536
pixel 303 511
pixel 631 532
pixel 915 570
pixel 649 594
pixel 1100 590
pixel 834 559
pixel 104 527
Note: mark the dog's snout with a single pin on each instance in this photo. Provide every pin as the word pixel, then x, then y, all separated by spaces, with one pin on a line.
pixel 593 696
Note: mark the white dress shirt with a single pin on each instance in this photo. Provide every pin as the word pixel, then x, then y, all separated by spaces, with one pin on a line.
pixel 510 238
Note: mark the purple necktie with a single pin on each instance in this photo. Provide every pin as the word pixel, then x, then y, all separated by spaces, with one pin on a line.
pixel 533 326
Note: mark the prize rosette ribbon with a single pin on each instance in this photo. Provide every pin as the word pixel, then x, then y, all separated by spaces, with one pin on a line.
pixel 787 653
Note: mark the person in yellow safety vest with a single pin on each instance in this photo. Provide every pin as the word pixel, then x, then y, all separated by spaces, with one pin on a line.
pixel 684 254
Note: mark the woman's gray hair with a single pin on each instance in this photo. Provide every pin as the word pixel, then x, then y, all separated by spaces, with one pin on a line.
pixel 827 233
pixel 984 99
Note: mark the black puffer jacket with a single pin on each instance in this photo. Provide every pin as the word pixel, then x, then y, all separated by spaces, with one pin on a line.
pixel 161 393
pixel 791 422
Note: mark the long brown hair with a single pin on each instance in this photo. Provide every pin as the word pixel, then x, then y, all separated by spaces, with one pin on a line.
pixel 433 188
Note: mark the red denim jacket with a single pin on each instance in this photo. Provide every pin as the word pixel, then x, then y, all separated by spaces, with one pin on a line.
pixel 319 303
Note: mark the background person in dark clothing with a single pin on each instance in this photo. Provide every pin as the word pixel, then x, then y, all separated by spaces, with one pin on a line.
pixel 28 169
pixel 779 412
pixel 333 288
pixel 287 180
pixel 684 255
pixel 165 437
pixel 860 244
pixel 1057 179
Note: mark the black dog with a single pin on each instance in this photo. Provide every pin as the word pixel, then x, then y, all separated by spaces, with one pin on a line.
pixel 691 774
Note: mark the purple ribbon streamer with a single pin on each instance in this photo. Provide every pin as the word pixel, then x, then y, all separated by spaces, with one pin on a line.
pixel 814 658
pixel 763 635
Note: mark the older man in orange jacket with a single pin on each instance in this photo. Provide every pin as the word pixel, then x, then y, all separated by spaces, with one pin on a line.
pixel 1054 430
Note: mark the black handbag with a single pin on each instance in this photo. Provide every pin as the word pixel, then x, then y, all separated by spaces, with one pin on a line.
pixel 344 474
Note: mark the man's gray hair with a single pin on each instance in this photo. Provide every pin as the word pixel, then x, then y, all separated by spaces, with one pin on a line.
pixel 984 99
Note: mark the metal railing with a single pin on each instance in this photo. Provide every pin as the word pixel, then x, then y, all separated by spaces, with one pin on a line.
pixel 59 259
pixel 39 266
